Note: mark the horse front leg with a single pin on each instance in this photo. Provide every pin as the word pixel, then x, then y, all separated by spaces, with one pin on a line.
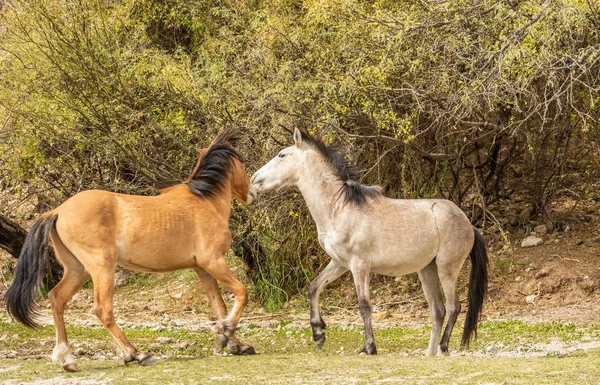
pixel 361 274
pixel 103 278
pixel 211 288
pixel 331 272
pixel 218 269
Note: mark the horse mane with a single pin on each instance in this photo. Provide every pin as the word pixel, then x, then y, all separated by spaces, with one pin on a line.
pixel 212 168
pixel 352 190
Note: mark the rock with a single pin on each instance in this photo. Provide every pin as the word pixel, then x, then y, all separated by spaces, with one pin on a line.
pixel 122 276
pixel 532 241
pixel 541 274
pixel 541 229
pixel 181 345
pixel 164 340
pixel 177 323
pixel 79 352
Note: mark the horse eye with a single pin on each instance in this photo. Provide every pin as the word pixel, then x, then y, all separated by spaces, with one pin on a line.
pixel 281 154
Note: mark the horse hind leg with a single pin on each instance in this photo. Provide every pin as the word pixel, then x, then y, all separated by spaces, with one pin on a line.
pixel 431 288
pixel 73 278
pixel 71 281
pixel 448 281
pixel 211 288
pixel 361 274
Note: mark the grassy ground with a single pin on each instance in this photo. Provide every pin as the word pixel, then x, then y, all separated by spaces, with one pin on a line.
pixel 510 352
pixel 323 368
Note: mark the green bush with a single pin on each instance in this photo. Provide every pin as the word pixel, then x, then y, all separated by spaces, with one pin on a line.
pixel 474 102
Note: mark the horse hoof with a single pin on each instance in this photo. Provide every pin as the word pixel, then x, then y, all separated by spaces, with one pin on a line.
pixel 242 350
pixel 71 368
pixel 148 360
pixel 220 342
pixel 370 351
pixel 320 340
pixel 234 349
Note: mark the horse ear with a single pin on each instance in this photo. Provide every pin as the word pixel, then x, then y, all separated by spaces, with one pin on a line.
pixel 297 137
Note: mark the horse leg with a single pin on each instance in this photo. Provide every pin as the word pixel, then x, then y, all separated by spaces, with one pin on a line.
pixel 219 270
pixel 211 288
pixel 448 281
pixel 329 274
pixel 71 281
pixel 104 286
pixel 431 288
pixel 362 274
pixel 74 276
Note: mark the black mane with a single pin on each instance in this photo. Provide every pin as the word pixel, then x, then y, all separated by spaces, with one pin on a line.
pixel 352 190
pixel 210 173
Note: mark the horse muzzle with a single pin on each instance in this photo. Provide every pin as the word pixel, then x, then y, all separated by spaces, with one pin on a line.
pixel 251 195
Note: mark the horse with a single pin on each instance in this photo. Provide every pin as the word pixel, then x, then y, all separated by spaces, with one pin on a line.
pixel 186 226
pixel 363 231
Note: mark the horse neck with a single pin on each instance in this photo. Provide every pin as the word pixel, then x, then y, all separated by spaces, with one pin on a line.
pixel 221 201
pixel 320 189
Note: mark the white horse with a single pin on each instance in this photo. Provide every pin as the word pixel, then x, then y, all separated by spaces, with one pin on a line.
pixel 363 231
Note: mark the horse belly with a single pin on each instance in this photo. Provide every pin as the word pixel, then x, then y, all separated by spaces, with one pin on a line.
pixel 404 257
pixel 155 256
pixel 402 266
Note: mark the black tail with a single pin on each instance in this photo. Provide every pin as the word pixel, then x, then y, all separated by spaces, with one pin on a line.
pixel 478 283
pixel 29 275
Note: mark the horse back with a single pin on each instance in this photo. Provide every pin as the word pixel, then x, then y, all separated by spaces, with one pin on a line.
pixel 400 236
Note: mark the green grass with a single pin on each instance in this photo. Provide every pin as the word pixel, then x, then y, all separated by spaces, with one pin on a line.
pixel 287 356
pixel 505 266
pixel 321 368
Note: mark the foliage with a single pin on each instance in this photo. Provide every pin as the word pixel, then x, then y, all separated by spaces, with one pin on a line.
pixel 477 102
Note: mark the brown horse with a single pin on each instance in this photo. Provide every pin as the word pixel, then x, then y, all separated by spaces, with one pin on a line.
pixel 185 227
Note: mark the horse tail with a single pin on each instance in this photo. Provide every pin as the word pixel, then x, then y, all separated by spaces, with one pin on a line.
pixel 478 283
pixel 21 296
